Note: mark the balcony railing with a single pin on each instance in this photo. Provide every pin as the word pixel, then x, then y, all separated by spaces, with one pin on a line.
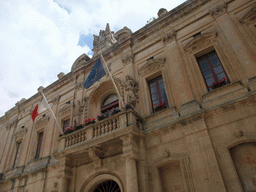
pixel 101 128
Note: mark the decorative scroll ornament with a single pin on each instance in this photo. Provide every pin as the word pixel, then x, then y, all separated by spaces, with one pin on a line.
pixel 239 133
pixel 128 59
pixel 218 10
pixel 151 65
pixel 56 99
pixel 166 153
pixel 79 85
pixel 169 37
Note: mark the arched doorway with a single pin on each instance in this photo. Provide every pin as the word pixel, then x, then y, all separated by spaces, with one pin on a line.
pixel 244 158
pixel 109 103
pixel 107 186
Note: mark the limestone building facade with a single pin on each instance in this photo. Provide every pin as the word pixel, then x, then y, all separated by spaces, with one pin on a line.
pixel 188 79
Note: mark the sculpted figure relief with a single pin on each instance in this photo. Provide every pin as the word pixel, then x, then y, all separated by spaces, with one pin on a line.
pixel 77 112
pixel 131 89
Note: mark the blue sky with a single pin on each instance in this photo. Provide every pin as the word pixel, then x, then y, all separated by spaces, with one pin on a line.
pixel 41 38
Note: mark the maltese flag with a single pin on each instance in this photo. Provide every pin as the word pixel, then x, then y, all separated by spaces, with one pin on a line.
pixel 41 107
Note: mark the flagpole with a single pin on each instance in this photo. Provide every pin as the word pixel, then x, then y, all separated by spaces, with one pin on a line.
pixel 52 112
pixel 111 78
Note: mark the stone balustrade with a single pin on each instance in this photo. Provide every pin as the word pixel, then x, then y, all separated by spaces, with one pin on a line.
pixel 101 128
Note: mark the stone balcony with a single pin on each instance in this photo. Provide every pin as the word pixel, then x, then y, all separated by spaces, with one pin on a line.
pixel 100 140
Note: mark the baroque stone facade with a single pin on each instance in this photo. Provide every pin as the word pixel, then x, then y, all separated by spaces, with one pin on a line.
pixel 188 78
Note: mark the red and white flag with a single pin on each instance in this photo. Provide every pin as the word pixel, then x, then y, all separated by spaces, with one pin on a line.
pixel 40 107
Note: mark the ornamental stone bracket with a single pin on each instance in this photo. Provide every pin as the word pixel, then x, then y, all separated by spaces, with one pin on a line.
pixel 12 123
pixel 79 85
pixel 218 10
pixel 249 17
pixel 200 41
pixel 56 99
pixel 169 37
pixel 127 59
pixel 151 66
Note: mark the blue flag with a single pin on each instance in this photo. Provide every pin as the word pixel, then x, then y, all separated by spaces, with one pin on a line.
pixel 96 73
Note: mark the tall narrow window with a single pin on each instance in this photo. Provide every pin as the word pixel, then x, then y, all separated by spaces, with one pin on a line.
pixel 65 124
pixel 158 94
pixel 212 70
pixel 18 144
pixel 39 144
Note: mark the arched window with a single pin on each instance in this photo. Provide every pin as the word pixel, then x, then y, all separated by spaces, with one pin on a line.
pixel 108 186
pixel 110 102
pixel 244 158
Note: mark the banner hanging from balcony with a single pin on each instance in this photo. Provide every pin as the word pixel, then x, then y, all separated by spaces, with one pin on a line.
pixel 96 73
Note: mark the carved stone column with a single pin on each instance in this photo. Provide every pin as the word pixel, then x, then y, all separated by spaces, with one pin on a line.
pixel 176 70
pixel 243 54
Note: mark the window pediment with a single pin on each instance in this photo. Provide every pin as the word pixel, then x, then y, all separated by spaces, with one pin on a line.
pixel 200 41
pixel 151 65
pixel 65 109
pixel 42 122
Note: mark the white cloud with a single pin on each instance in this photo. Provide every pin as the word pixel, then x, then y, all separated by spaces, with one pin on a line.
pixel 39 39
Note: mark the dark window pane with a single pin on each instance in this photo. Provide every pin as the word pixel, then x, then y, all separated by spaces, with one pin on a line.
pixel 153 90
pixel 221 75
pixel 160 80
pixel 154 96
pixel 218 69
pixel 152 84
pixel 161 86
pixel 204 65
pixel 210 81
pixel 40 139
pixel 207 74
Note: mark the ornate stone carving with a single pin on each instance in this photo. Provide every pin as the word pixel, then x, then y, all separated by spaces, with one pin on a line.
pixel 128 59
pixel 169 37
pixel 203 40
pixel 105 40
pixel 78 108
pixel 151 65
pixel 42 122
pixel 65 110
pixel 218 10
pixel 56 99
pixel 131 88
pixel 239 133
pixel 79 85
pixel 166 153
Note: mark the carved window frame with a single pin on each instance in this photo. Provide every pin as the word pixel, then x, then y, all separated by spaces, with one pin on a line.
pixel 39 126
pixel 201 45
pixel 183 160
pixel 151 69
pixel 227 161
